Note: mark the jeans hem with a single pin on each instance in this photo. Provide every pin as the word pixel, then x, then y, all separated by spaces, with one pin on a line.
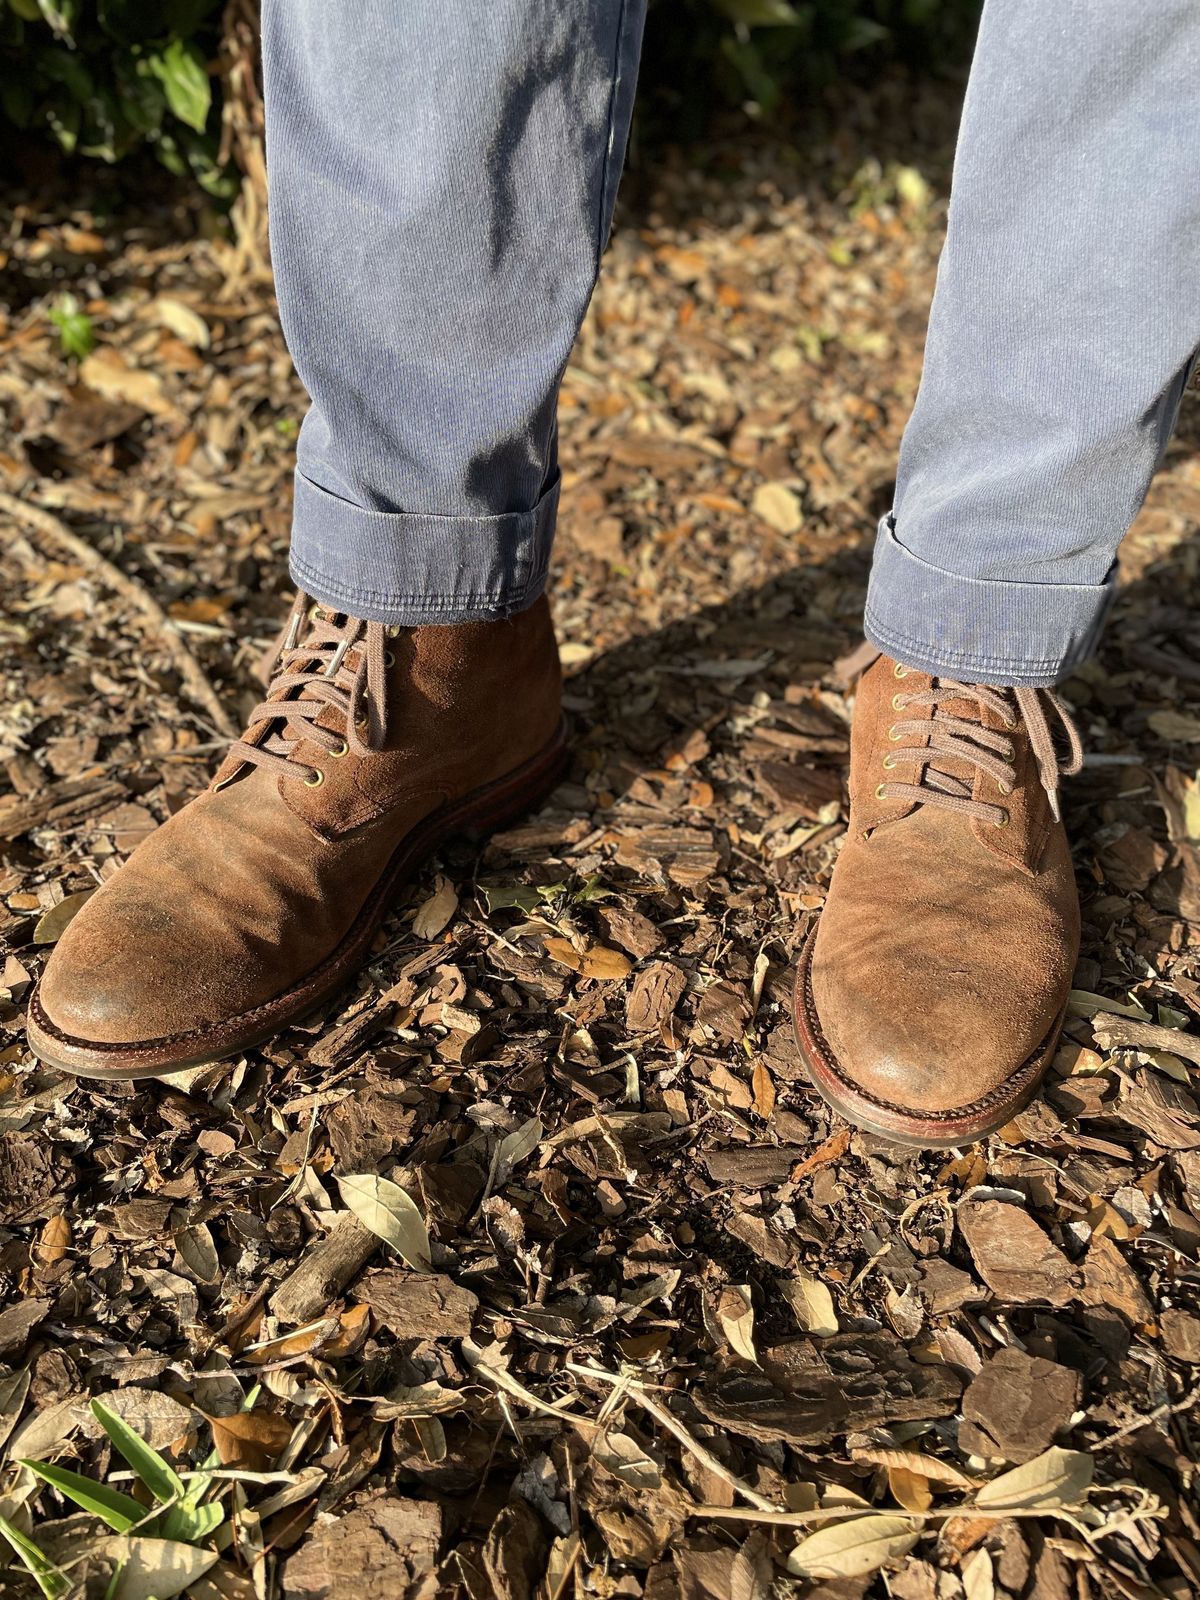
pixel 988 630
pixel 444 568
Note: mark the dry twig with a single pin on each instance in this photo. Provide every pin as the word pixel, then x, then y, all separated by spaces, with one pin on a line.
pixel 1124 1033
pixel 199 690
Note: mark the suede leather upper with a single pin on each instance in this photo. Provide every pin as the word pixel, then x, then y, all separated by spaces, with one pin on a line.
pixel 255 882
pixel 947 944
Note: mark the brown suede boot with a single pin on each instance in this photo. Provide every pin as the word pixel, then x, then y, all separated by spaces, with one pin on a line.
pixel 931 995
pixel 256 901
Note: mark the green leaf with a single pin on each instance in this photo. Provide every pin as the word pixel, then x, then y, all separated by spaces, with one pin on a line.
pixel 77 336
pixel 760 13
pixel 181 70
pixel 192 1522
pixel 162 1481
pixel 522 897
pixel 64 118
pixel 62 15
pixel 119 1511
pixel 47 1576
pixel 185 1518
pixel 591 889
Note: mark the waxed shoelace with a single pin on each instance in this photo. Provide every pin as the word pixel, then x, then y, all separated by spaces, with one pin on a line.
pixel 963 739
pixel 337 661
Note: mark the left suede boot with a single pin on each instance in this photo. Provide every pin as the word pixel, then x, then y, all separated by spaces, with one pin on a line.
pixel 257 901
pixel 931 995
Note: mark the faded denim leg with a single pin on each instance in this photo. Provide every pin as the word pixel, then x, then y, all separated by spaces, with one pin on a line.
pixel 442 184
pixel 1063 329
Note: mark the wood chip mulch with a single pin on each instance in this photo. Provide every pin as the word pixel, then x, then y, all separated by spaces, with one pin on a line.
pixel 680 1332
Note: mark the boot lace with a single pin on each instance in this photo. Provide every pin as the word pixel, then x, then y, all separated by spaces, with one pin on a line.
pixel 985 749
pixel 312 671
pixel 942 736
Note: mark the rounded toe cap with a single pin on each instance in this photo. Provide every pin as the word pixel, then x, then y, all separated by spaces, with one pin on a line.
pixel 123 973
pixel 927 1041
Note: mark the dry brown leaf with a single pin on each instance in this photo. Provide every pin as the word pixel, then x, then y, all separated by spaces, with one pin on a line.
pixel 435 914
pixel 853 1548
pixel 251 1439
pixel 735 1313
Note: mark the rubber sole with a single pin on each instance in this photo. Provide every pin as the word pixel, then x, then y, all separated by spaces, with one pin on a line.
pixel 482 811
pixel 928 1130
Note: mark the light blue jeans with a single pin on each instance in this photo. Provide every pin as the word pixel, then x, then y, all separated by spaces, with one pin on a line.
pixel 442 185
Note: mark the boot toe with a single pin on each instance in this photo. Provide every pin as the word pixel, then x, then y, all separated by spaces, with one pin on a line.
pixel 125 972
pixel 947 1049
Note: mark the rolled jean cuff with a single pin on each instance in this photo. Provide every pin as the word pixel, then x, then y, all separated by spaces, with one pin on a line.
pixel 981 630
pixel 409 568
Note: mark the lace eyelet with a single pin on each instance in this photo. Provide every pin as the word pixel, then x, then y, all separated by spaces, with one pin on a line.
pixel 1003 820
pixel 315 780
pixel 343 749
pixel 888 763
pixel 899 701
pixel 1006 788
pixel 892 733
pixel 1010 722
pixel 389 658
pixel 899 672
pixel 879 794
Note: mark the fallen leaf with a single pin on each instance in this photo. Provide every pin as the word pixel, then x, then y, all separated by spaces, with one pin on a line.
pixel 853 1548
pixel 1055 1478
pixel 54 1242
pixel 185 323
pixel 152 1569
pixel 253 1440
pixel 384 1208
pixel 735 1313
pixel 811 1303
pixel 52 924
pixel 436 913
pixel 764 1090
pixel 107 373
pixel 778 507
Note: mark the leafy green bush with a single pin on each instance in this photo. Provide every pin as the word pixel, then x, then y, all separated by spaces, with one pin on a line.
pixel 769 56
pixel 103 76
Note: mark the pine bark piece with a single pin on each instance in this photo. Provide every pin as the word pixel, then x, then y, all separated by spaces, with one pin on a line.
pixel 419 1305
pixel 1013 1256
pixel 324 1271
pixel 1018 1405
pixel 810 1394
pixel 653 996
pixel 1109 1280
pixel 380 1551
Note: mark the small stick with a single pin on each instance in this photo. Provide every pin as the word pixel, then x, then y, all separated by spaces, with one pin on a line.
pixel 1124 1033
pixel 324 1271
pixel 1169 1408
pixel 197 685
pixel 664 1418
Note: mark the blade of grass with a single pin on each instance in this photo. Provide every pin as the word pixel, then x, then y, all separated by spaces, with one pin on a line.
pixel 49 1579
pixel 161 1480
pixel 119 1511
